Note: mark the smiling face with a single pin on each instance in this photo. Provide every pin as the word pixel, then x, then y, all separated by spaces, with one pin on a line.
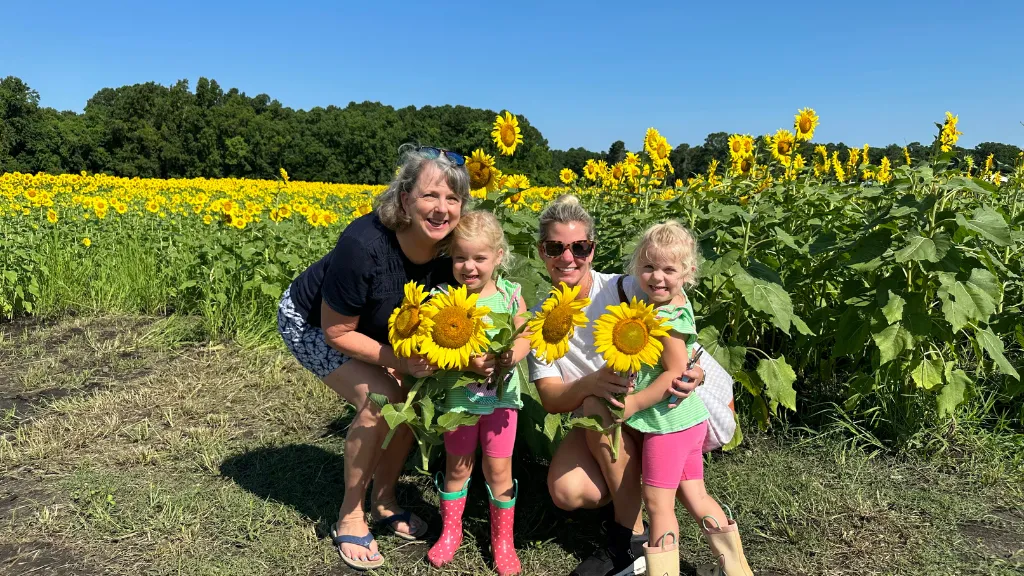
pixel 566 267
pixel 474 262
pixel 661 276
pixel 432 207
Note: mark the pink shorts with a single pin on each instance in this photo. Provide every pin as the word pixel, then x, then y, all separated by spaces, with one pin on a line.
pixel 669 459
pixel 496 433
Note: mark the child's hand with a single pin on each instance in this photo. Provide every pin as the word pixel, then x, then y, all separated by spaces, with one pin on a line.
pixel 682 387
pixel 482 364
pixel 506 360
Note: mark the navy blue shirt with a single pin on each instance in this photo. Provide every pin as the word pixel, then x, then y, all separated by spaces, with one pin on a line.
pixel 364 275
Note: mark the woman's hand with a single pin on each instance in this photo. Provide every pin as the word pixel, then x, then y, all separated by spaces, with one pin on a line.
pixel 607 384
pixel 687 383
pixel 482 364
pixel 416 366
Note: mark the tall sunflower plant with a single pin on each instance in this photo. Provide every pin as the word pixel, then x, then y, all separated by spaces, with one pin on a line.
pixel 446 329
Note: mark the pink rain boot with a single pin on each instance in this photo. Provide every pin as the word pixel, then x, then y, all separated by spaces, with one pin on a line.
pixel 502 546
pixel 453 504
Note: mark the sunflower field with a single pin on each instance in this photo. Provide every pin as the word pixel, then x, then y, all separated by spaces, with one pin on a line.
pixel 887 297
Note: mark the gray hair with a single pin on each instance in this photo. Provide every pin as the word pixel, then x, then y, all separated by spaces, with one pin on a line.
pixel 388 205
pixel 565 209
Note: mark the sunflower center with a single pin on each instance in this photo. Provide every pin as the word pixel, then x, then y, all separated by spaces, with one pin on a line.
pixel 784 147
pixel 557 324
pixel 746 165
pixel 407 322
pixel 453 327
pixel 805 125
pixel 508 134
pixel 629 336
pixel 516 197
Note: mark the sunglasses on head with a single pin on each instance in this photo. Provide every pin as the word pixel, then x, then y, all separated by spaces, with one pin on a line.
pixel 579 248
pixel 432 152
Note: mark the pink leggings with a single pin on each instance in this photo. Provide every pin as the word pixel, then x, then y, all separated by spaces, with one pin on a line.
pixel 496 433
pixel 668 459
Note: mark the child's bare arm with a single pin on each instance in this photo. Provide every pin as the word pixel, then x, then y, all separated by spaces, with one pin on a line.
pixel 673 359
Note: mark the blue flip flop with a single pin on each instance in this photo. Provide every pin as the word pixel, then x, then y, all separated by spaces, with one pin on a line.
pixel 389 522
pixel 364 541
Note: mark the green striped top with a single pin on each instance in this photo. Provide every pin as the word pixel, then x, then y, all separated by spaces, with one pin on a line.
pixel 476 398
pixel 660 419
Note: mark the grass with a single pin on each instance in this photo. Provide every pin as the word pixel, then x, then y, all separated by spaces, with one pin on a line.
pixel 137 445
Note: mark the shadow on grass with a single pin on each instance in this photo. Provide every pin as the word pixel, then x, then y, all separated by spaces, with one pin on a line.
pixel 310 479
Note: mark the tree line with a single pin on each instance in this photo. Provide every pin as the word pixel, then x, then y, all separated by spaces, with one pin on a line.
pixel 155 131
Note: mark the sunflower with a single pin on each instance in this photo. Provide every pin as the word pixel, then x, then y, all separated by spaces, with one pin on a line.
pixel 517 181
pixel 806 122
pixel 906 155
pixel 885 171
pixel 482 174
pixel 590 170
pixel 782 144
pixel 949 134
pixel 742 165
pixel 86 242
pixel 51 216
pixel 627 336
pixel 651 139
pixel 567 176
pixel 556 322
pixel 735 146
pixel 506 133
pixel 456 331
pixel 632 159
pixel 407 325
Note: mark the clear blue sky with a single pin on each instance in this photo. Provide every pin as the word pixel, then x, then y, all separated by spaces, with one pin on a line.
pixel 585 73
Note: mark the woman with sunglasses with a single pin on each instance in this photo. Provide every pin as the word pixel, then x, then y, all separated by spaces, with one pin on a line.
pixel 582 473
pixel 334 319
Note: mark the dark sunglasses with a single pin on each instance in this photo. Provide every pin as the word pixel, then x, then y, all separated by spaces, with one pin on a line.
pixel 431 152
pixel 580 248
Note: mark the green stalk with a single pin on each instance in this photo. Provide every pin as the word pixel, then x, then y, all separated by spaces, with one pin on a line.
pixel 406 405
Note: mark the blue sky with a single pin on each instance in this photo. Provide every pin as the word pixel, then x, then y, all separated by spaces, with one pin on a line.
pixel 585 73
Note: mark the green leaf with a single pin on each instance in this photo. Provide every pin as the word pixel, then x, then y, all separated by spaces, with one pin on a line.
pixel 786 239
pixel 393 417
pixel 426 411
pixel 870 248
pixel 852 333
pixel 587 423
pixel 918 248
pixel 952 394
pixel 893 310
pixel 989 224
pixel 802 327
pixel 767 297
pixel 737 436
pixel 552 425
pixel 778 378
pixel 891 342
pixel 968 301
pixel 994 346
pixel 928 374
pixel 730 357
pixel 1019 332
pixel 379 399
pixel 749 384
pixel 451 420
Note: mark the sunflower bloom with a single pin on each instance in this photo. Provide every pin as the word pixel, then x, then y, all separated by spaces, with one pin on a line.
pixel 627 336
pixel 86 242
pixel 51 216
pixel 906 155
pixel 457 329
pixel 554 325
pixel 884 174
pixel 567 176
pixel 949 134
pixel 782 145
pixel 506 133
pixel 408 326
pixel 590 170
pixel 482 174
pixel 806 122
pixel 837 165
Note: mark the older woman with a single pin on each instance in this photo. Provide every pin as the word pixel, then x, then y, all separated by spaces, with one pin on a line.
pixel 334 319
pixel 582 473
